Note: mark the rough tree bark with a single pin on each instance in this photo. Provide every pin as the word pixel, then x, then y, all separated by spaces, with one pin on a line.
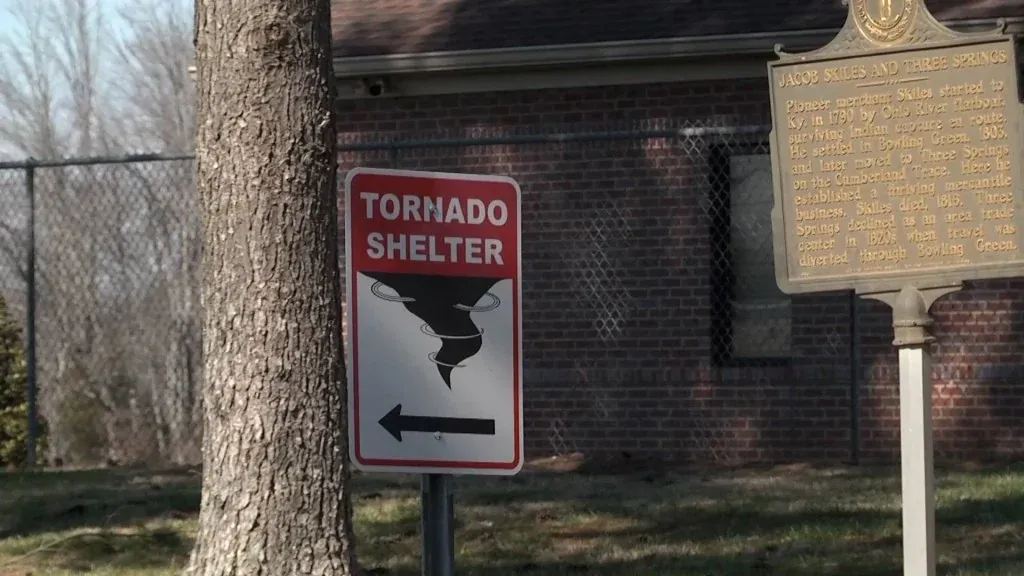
pixel 275 471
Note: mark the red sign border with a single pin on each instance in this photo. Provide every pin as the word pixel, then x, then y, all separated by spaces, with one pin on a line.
pixel 352 368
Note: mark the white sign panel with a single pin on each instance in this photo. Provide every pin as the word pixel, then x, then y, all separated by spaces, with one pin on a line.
pixel 433 278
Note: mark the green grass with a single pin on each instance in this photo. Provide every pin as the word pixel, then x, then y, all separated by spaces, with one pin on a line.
pixel 549 520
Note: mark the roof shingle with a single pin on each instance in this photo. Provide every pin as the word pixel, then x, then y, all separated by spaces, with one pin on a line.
pixel 378 27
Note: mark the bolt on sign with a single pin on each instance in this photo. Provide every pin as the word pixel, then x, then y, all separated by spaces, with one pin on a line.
pixel 896 155
pixel 434 299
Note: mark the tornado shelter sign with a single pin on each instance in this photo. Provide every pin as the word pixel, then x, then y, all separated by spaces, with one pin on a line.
pixel 433 276
pixel 897 156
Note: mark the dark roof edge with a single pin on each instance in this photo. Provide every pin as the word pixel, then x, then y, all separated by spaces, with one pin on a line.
pixel 600 52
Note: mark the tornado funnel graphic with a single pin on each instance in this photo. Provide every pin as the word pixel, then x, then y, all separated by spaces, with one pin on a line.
pixel 444 303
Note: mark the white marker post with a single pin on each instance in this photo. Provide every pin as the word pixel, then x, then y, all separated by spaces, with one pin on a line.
pixel 916 461
pixel 911 322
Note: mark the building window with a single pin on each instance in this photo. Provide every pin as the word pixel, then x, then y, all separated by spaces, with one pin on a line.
pixel 752 318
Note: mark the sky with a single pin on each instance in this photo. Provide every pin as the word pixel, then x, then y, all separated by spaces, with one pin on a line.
pixel 10 24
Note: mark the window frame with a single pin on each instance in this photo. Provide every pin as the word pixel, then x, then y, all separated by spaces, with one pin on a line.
pixel 723 275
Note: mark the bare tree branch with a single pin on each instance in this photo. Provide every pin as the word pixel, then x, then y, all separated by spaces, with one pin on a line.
pixel 116 246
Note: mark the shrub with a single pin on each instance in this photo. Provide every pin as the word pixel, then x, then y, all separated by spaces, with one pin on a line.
pixel 13 394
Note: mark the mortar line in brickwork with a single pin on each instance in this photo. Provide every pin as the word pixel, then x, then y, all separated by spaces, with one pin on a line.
pixel 557 138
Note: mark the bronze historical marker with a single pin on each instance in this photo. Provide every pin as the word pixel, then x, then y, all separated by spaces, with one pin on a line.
pixel 896 154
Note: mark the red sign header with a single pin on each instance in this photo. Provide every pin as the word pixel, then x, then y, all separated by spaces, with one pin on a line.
pixel 454 226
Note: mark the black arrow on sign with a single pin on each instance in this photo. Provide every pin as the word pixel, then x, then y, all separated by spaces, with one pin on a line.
pixel 396 423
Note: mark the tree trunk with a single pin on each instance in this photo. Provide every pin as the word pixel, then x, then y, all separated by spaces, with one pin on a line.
pixel 275 472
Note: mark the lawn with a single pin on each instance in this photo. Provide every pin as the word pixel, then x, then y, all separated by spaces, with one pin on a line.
pixel 560 517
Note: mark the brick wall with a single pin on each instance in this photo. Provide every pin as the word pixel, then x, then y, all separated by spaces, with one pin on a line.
pixel 618 323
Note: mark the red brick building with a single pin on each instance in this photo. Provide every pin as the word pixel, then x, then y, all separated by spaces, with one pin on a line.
pixel 652 323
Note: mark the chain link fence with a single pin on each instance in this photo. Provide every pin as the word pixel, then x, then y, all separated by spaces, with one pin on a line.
pixel 101 256
pixel 652 320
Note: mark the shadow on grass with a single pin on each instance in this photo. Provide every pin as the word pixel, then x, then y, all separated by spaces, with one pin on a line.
pixel 698 524
pixel 46 502
pixel 778 544
pixel 824 523
pixel 836 523
pixel 747 564
pixel 140 549
pixel 738 565
pixel 650 566
pixel 996 565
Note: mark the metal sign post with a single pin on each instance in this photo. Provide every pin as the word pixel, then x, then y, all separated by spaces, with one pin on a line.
pixel 438 525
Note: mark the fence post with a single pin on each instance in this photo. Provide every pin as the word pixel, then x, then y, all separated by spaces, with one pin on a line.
pixel 393 153
pixel 855 372
pixel 30 316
